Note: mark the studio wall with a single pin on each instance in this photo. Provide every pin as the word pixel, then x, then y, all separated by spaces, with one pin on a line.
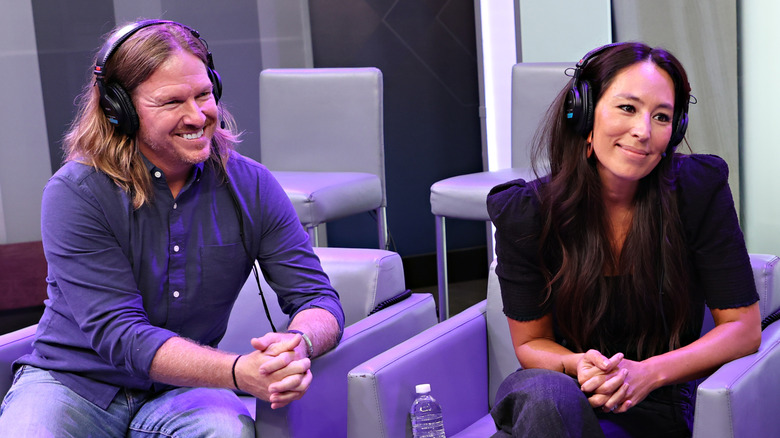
pixel 426 51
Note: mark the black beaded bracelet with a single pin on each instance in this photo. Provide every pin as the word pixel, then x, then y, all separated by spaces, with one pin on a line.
pixel 235 382
pixel 309 346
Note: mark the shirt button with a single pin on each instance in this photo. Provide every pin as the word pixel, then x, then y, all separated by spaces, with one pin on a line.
pixel 176 294
pixel 175 206
pixel 157 174
pixel 175 248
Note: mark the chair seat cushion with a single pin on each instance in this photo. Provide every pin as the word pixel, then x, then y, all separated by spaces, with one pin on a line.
pixel 320 197
pixel 465 196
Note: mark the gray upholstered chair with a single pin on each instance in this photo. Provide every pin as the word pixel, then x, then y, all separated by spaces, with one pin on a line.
pixel 466 357
pixel 322 136
pixel 379 313
pixel 534 87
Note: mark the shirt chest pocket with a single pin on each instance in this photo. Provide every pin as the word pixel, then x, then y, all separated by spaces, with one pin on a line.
pixel 223 272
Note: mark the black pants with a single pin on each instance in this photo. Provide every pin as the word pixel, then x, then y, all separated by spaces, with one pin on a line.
pixel 544 403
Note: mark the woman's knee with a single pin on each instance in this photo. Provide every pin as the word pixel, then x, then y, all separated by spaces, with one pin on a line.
pixel 539 385
pixel 538 402
pixel 535 392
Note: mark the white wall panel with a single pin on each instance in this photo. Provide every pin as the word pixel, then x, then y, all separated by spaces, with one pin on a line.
pixel 760 153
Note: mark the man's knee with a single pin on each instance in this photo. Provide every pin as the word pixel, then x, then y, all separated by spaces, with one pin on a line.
pixel 194 412
pixel 38 405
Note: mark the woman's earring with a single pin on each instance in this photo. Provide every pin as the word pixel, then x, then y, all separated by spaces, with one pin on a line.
pixel 589 148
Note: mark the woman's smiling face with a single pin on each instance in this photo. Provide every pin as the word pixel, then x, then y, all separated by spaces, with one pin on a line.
pixel 633 123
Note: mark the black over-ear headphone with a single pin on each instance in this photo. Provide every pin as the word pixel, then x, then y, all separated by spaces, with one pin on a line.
pixel 579 105
pixel 115 101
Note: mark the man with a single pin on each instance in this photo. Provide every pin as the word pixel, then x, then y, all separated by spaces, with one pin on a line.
pixel 150 229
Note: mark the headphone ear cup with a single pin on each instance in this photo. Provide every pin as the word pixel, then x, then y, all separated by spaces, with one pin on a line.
pixel 579 108
pixel 216 83
pixel 679 131
pixel 585 124
pixel 118 107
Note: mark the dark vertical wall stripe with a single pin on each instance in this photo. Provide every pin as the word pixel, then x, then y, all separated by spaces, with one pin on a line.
pixel 426 50
pixel 67 34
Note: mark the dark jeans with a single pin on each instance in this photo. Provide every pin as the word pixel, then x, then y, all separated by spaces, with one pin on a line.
pixel 544 403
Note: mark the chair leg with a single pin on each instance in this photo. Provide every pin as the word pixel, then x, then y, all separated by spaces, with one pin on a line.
pixel 381 214
pixel 441 268
pixel 314 236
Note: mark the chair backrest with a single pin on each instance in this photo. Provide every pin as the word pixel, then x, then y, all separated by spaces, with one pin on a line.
pixel 502 360
pixel 323 120
pixel 534 87
pixel 766 271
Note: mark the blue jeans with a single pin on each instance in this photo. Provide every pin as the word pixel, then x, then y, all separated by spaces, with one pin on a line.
pixel 538 402
pixel 37 405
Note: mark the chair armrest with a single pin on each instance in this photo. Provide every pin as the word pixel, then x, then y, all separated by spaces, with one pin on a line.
pixel 13 346
pixel 451 356
pixel 323 407
pixel 741 397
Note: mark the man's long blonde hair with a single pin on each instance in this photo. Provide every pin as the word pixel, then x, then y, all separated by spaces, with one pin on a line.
pixel 93 140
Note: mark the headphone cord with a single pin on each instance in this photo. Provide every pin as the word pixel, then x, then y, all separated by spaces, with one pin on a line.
pixel 246 250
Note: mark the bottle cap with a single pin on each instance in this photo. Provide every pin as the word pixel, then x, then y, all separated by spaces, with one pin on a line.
pixel 423 388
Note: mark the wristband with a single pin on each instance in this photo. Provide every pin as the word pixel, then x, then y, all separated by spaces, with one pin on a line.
pixel 233 371
pixel 309 346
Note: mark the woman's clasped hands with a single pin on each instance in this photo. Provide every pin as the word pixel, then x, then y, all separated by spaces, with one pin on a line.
pixel 613 384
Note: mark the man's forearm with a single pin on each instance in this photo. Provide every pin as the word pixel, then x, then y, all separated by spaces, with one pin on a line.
pixel 320 326
pixel 182 362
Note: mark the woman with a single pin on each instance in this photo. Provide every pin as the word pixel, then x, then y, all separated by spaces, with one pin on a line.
pixel 606 263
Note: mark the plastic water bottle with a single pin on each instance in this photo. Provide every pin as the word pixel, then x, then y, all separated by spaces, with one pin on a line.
pixel 426 414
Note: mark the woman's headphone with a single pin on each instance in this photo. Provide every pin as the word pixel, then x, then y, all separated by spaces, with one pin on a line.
pixel 115 100
pixel 579 105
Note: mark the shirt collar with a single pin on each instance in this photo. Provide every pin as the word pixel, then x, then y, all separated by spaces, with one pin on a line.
pixel 194 175
pixel 151 167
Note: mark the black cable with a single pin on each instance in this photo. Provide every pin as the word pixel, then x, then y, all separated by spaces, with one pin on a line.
pixel 246 250
pixel 770 319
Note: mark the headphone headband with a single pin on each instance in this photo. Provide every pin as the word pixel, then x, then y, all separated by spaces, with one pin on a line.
pixel 114 99
pixel 121 36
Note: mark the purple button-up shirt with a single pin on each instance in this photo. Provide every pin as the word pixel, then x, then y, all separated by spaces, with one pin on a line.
pixel 123 281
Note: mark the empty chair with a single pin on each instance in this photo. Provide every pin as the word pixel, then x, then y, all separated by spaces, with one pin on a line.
pixel 534 87
pixel 321 134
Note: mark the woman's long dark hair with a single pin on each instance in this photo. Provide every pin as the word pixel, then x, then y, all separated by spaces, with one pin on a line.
pixel 652 274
